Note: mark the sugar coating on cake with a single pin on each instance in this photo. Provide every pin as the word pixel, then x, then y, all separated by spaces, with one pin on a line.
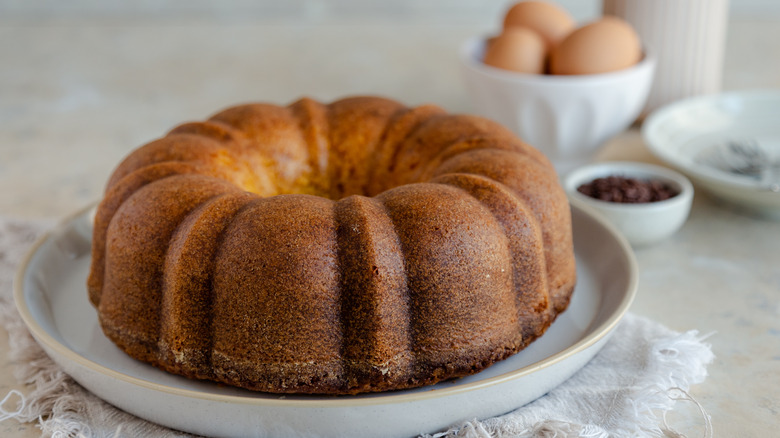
pixel 356 246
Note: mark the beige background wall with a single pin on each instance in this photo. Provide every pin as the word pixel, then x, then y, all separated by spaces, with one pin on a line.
pixel 311 10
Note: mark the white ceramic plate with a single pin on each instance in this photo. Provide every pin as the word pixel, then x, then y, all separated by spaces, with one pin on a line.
pixel 51 296
pixel 680 132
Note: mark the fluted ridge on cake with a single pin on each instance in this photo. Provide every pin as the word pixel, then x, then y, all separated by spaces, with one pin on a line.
pixel 375 311
pixel 542 194
pixel 186 335
pixel 525 244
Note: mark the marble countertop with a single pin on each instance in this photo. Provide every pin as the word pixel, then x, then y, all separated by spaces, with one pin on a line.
pixel 76 97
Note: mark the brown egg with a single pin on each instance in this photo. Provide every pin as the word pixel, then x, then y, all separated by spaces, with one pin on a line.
pixel 517 49
pixel 549 20
pixel 606 45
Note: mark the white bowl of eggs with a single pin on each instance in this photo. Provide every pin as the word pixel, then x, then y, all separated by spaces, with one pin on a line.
pixel 563 88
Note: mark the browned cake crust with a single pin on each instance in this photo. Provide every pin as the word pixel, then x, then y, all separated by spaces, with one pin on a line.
pixel 342 248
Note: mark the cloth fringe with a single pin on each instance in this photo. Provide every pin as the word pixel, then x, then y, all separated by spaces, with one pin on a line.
pixel 62 407
pixel 625 391
pixel 638 376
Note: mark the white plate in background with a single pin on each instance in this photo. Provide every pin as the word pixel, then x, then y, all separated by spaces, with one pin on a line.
pixel 680 132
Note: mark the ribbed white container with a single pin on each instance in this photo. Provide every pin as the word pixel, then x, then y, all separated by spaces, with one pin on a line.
pixel 687 38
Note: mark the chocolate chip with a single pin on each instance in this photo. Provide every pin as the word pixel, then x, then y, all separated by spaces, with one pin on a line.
pixel 626 190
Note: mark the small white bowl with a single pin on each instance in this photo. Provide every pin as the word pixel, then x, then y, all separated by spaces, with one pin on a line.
pixel 566 117
pixel 641 224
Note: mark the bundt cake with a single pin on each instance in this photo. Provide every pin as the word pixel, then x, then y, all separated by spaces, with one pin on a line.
pixel 337 248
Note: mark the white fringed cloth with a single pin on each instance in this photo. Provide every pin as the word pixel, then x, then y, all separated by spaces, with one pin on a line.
pixel 625 391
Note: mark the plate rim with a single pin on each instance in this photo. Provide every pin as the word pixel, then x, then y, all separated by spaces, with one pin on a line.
pixel 596 334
